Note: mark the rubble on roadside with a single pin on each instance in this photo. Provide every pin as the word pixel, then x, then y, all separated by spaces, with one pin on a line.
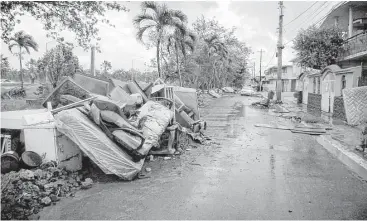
pixel 26 192
pixel 115 131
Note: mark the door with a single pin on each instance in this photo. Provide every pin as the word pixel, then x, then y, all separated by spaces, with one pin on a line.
pixel 293 85
pixel 305 90
pixel 327 93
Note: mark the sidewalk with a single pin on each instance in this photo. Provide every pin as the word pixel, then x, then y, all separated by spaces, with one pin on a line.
pixel 341 141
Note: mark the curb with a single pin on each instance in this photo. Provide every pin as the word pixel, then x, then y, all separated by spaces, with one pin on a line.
pixel 354 162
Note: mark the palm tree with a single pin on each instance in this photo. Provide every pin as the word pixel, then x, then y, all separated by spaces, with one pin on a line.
pixel 182 39
pixel 22 40
pixel 106 66
pixel 217 50
pixel 158 22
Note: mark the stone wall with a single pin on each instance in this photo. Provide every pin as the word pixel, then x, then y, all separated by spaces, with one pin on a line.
pixel 314 102
pixel 339 110
pixel 355 103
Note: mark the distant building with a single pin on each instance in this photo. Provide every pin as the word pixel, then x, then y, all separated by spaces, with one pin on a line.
pixel 289 78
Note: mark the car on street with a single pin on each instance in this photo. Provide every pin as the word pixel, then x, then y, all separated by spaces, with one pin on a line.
pixel 247 91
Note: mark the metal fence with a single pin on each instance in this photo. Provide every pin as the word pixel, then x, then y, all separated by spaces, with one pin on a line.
pixel 354 45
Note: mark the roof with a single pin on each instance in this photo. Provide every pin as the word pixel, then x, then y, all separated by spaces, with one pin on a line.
pixel 276 67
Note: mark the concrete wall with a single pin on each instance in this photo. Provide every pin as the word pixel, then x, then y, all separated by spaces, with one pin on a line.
pixel 339 110
pixel 351 77
pixel 314 102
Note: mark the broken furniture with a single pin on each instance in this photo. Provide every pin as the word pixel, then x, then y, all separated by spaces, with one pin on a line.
pixel 53 146
pixel 66 87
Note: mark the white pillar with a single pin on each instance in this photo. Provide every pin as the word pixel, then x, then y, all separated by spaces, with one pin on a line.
pixel 350 27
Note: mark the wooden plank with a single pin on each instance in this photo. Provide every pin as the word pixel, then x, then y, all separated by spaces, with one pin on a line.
pixel 76 104
pixel 310 130
pixel 304 132
pixel 273 127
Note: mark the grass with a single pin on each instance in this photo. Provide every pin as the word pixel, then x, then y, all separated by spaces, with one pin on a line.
pixel 20 104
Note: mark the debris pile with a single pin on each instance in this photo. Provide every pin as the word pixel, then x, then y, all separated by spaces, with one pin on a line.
pixel 116 131
pixel 26 192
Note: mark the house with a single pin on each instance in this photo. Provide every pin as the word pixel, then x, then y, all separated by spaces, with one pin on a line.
pixel 289 78
pixel 324 90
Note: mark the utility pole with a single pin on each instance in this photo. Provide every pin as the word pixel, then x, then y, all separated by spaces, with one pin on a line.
pixel 261 55
pixel 92 60
pixel 254 70
pixel 280 48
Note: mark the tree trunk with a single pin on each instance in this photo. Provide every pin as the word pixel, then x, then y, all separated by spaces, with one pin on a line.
pixel 178 65
pixel 20 65
pixel 158 63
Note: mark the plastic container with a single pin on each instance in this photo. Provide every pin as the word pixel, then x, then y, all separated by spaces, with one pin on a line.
pixel 31 159
pixel 9 162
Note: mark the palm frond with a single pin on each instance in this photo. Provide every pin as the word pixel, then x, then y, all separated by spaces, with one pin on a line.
pixel 27 49
pixel 180 29
pixel 140 33
pixel 144 17
pixel 190 45
pixel 31 43
pixel 192 36
pixel 150 5
pixel 179 15
pixel 11 46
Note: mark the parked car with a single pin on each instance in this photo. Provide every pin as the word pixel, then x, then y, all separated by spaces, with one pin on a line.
pixel 247 91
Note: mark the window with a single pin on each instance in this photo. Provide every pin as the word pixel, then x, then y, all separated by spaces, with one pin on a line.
pixel 344 84
pixel 284 70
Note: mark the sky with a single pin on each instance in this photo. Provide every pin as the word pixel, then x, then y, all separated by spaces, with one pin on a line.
pixel 256 23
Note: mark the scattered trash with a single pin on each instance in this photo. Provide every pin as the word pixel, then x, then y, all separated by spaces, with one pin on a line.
pixel 46 201
pixel 188 149
pixel 195 164
pixel 167 158
pixel 9 162
pixel 31 159
pixel 87 183
pixel 148 169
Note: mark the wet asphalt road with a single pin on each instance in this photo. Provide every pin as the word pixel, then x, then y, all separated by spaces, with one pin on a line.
pixel 252 173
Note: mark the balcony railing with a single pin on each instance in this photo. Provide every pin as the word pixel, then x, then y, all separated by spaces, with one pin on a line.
pixel 360 23
pixel 354 46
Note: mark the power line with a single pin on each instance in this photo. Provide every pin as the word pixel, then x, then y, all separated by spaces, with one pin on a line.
pixel 271 59
pixel 301 14
pixel 333 8
pixel 312 16
pixel 327 14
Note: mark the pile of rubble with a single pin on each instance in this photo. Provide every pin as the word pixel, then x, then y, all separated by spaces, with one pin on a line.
pixel 114 129
pixel 26 192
